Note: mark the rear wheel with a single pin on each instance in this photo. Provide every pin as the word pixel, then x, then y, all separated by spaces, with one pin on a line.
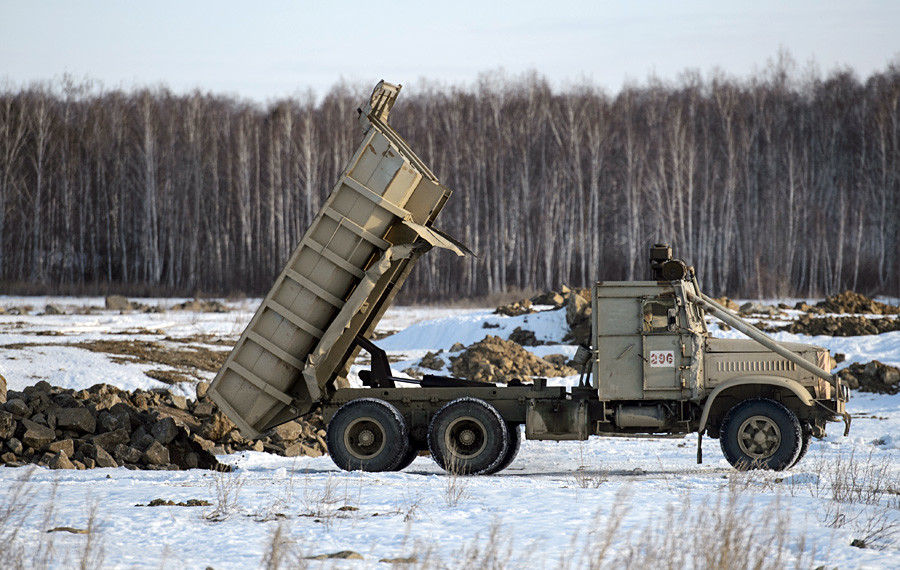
pixel 515 442
pixel 468 437
pixel 407 460
pixel 761 434
pixel 367 435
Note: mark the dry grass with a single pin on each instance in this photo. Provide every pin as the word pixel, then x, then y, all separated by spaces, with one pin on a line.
pixel 225 488
pixel 859 493
pixel 22 546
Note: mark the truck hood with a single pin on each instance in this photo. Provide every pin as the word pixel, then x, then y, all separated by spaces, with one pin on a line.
pixel 719 345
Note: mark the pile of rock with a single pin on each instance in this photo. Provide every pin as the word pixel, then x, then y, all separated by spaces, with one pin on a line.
pixel 145 429
pixel 841 326
pixel 497 360
pixel 872 377
pixel 853 303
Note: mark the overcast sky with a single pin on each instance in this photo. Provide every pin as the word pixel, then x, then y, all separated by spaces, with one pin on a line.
pixel 269 49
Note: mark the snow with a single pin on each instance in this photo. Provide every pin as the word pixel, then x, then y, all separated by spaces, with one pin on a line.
pixel 553 507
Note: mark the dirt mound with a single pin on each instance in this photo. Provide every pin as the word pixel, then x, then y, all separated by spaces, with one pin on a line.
pixel 497 360
pixel 872 377
pixel 854 303
pixel 108 427
pixel 841 326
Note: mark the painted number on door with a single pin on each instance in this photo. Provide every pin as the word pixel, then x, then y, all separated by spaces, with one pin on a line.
pixel 662 358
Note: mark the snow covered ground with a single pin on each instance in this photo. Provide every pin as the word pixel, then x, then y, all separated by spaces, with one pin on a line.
pixel 607 502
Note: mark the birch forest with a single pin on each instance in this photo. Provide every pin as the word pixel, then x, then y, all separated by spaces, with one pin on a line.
pixel 782 184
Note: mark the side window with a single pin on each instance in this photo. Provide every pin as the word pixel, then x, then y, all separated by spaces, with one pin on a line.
pixel 660 315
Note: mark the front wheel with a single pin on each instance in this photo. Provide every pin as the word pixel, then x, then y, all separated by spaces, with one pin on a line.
pixel 367 435
pixel 761 434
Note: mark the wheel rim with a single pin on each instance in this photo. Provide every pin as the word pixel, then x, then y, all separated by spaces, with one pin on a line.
pixel 759 437
pixel 364 438
pixel 465 437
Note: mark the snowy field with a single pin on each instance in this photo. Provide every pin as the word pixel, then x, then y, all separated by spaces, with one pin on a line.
pixel 608 502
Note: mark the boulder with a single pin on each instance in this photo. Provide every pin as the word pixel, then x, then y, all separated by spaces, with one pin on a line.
pixel 67 446
pixel 8 425
pixel 18 408
pixel 78 419
pixel 156 454
pixel 36 435
pixel 60 461
pixel 110 440
pixel 164 431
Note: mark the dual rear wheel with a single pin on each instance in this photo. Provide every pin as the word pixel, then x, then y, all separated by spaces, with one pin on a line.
pixel 467 436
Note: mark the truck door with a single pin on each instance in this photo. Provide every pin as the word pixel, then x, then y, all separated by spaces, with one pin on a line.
pixel 662 348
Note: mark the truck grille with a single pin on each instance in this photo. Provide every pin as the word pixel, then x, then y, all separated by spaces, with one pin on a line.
pixel 779 365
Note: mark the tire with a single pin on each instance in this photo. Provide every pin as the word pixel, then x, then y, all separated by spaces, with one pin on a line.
pixel 806 433
pixel 760 434
pixel 468 437
pixel 407 459
pixel 515 443
pixel 367 435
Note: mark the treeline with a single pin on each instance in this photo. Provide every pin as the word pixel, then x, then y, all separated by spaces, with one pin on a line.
pixel 781 184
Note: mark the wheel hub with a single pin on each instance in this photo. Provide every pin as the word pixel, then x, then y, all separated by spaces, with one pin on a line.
pixel 759 437
pixel 467 437
pixel 366 438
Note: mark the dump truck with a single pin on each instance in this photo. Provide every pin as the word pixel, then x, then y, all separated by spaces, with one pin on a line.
pixel 652 367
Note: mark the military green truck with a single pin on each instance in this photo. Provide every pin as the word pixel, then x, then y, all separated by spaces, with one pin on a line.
pixel 652 367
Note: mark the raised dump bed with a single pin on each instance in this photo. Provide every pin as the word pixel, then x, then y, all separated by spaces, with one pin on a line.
pixel 338 281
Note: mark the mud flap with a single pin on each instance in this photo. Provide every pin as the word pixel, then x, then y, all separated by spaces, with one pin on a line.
pixel 699 448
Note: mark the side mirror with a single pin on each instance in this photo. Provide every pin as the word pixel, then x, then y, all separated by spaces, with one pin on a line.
pixel 673 320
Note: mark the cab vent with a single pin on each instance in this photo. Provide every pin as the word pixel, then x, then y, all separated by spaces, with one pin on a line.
pixel 757 366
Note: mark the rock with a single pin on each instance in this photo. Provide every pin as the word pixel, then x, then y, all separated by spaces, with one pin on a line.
pixel 110 440
pixel 113 421
pixel 78 419
pixel 18 408
pixel 728 304
pixel 457 347
pixel 9 457
pixel 118 303
pixel 126 454
pixel 15 445
pixel 67 446
pixel 53 310
pixel 515 309
pixel 302 449
pixel 179 402
pixel 202 389
pixel 289 431
pixel 164 431
pixel 8 425
pixel 204 409
pixel 156 454
pixel 37 436
pixel 524 337
pixel 872 377
pixel 3 390
pixel 432 361
pixel 549 298
pixel 60 461
pixel 216 426
pixel 104 459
